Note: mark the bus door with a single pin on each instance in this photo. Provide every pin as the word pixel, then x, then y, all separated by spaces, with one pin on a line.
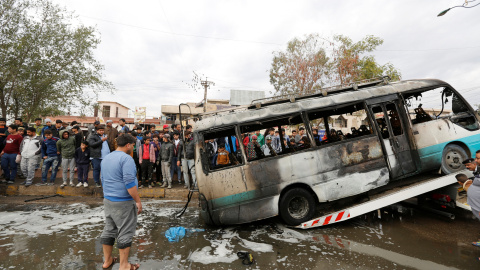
pixel 389 122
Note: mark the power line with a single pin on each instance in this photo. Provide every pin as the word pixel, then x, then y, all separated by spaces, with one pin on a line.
pixel 425 50
pixel 185 35
pixel 261 42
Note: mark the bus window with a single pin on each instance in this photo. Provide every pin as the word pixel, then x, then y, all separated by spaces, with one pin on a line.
pixel 343 123
pixel 394 119
pixel 439 103
pixel 221 149
pixel 268 140
pixel 380 119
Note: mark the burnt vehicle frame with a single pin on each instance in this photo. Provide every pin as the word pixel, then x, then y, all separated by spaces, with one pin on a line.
pixel 249 190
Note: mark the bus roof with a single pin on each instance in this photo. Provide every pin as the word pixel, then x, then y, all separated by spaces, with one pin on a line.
pixel 315 101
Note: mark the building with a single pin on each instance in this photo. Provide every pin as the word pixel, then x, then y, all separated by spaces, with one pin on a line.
pixel 111 109
pixel 172 112
pixel 108 110
pixel 245 97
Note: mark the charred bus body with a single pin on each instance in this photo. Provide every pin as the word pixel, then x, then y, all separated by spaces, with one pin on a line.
pixel 396 139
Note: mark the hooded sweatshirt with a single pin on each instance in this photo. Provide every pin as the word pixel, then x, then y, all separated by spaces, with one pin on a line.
pixel 66 147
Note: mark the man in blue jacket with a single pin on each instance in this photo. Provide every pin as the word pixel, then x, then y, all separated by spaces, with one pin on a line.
pixel 50 157
pixel 122 202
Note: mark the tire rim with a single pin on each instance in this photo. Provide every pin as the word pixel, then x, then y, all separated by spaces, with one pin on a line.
pixel 298 207
pixel 453 160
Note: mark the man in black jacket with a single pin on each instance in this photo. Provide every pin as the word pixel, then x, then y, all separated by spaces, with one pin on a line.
pixel 78 133
pixel 95 142
pixel 176 158
pixel 57 128
pixel 188 161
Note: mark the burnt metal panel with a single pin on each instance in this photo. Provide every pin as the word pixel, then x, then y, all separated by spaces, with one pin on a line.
pixel 319 165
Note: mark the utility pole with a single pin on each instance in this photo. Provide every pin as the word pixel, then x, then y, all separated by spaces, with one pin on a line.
pixel 206 84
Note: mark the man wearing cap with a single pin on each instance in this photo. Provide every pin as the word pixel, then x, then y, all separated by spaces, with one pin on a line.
pixel 92 130
pixel 267 148
pixel 98 150
pixel 48 125
pixel 112 134
pixel 165 129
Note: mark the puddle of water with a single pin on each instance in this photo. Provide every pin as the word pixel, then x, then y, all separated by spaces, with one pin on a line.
pixel 66 237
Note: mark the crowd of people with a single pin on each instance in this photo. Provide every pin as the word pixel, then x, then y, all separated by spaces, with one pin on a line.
pixel 158 154
pixel 224 150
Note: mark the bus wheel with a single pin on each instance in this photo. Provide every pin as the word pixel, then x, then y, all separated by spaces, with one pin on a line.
pixel 452 157
pixel 297 205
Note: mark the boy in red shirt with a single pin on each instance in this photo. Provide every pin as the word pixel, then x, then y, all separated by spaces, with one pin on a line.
pixel 146 159
pixel 9 154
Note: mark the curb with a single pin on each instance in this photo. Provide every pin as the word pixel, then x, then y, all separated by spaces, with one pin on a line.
pixel 157 193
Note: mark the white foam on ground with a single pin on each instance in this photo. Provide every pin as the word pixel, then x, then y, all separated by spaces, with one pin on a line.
pixel 257 247
pixel 48 221
pixel 288 235
pixel 78 216
pixel 220 251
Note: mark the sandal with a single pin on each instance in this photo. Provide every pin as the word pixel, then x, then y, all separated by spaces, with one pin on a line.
pixel 134 266
pixel 477 244
pixel 114 260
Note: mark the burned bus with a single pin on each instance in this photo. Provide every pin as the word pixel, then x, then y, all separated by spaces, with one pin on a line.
pixel 392 136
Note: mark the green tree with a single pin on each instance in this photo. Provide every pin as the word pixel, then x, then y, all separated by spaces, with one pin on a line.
pixel 313 63
pixel 302 68
pixel 46 60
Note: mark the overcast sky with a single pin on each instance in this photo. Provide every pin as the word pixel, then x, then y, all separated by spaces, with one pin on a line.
pixel 150 48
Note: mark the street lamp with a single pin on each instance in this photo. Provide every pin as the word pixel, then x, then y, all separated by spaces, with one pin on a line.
pixel 462 6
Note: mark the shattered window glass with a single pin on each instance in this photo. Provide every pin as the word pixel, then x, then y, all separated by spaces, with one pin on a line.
pixel 381 121
pixel 439 103
pixel 394 119
pixel 262 139
pixel 346 122
pixel 221 149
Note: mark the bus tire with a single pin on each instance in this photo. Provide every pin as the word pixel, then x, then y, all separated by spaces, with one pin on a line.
pixel 297 205
pixel 452 157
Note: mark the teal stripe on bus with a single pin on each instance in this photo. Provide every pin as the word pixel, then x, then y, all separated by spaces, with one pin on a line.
pixel 235 199
pixel 434 152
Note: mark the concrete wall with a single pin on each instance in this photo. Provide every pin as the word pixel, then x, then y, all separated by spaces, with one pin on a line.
pixel 122 111
pixel 244 97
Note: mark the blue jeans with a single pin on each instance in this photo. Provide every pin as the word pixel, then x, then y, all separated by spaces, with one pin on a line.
pixel 96 169
pixel 47 163
pixel 174 168
pixel 8 163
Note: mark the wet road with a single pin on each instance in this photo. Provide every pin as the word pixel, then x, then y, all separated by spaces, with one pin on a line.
pixel 66 237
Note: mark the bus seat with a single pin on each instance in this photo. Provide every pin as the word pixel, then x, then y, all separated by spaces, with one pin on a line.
pixel 421 116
